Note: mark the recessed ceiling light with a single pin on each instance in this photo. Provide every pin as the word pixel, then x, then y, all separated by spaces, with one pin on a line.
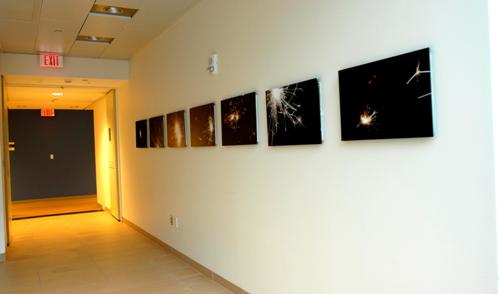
pixel 57 94
pixel 113 11
pixel 95 39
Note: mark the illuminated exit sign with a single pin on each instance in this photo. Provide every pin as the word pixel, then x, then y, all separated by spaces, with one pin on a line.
pixel 48 112
pixel 51 60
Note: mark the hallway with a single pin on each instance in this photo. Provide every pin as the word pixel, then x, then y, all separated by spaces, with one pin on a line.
pixel 92 253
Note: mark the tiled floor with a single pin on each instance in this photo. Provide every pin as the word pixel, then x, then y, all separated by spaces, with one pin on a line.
pixel 54 206
pixel 92 253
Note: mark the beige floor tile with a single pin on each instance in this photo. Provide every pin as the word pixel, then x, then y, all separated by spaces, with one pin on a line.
pixel 201 284
pixel 92 253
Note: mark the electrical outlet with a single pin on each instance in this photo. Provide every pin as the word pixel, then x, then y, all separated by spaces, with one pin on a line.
pixel 171 220
pixel 177 222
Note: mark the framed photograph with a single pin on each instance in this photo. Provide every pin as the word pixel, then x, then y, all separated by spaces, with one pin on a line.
pixel 157 132
pixel 294 114
pixel 176 129
pixel 390 98
pixel 141 134
pixel 202 125
pixel 239 120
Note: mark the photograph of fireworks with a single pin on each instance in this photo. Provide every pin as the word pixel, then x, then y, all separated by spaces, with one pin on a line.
pixel 202 125
pixel 294 114
pixel 390 98
pixel 176 129
pixel 239 120
pixel 157 132
pixel 141 134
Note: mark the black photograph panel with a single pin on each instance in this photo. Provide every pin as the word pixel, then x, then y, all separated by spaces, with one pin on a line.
pixel 239 120
pixel 390 98
pixel 294 114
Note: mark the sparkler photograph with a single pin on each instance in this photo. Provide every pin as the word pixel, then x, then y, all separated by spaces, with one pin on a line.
pixel 368 118
pixel 176 129
pixel 202 125
pixel 141 134
pixel 157 132
pixel 239 120
pixel 389 98
pixel 294 114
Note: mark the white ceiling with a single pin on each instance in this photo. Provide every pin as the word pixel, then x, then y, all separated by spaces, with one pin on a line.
pixel 36 92
pixel 33 26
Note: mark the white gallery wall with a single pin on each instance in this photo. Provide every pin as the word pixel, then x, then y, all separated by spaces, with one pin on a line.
pixel 383 217
pixel 494 13
pixel 74 67
pixel 3 229
pixel 101 139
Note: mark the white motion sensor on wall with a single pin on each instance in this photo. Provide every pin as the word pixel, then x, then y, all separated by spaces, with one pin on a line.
pixel 213 64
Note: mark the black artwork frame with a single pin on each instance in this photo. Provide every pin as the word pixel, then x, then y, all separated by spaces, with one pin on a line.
pixel 141 133
pixel 294 114
pixel 389 98
pixel 176 129
pixel 202 126
pixel 157 132
pixel 239 120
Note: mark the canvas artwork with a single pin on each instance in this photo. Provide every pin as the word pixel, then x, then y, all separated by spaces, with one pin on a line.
pixel 202 125
pixel 141 134
pixel 176 129
pixel 390 98
pixel 239 120
pixel 294 114
pixel 157 132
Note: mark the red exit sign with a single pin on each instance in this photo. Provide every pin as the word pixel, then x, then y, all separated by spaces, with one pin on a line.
pixel 48 112
pixel 51 60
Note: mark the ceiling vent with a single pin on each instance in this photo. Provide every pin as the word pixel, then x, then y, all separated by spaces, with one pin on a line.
pixel 113 11
pixel 94 39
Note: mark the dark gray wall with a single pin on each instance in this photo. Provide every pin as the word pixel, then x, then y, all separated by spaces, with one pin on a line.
pixel 69 136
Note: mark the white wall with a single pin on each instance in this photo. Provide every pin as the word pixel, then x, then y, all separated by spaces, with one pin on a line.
pixel 494 8
pixel 101 151
pixel 28 65
pixel 389 216
pixel 2 194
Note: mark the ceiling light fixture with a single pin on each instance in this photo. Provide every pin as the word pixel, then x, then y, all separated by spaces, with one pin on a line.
pixel 108 10
pixel 114 10
pixel 95 39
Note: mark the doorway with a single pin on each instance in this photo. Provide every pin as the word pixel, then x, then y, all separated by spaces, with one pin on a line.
pixel 52 162
pixel 65 96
